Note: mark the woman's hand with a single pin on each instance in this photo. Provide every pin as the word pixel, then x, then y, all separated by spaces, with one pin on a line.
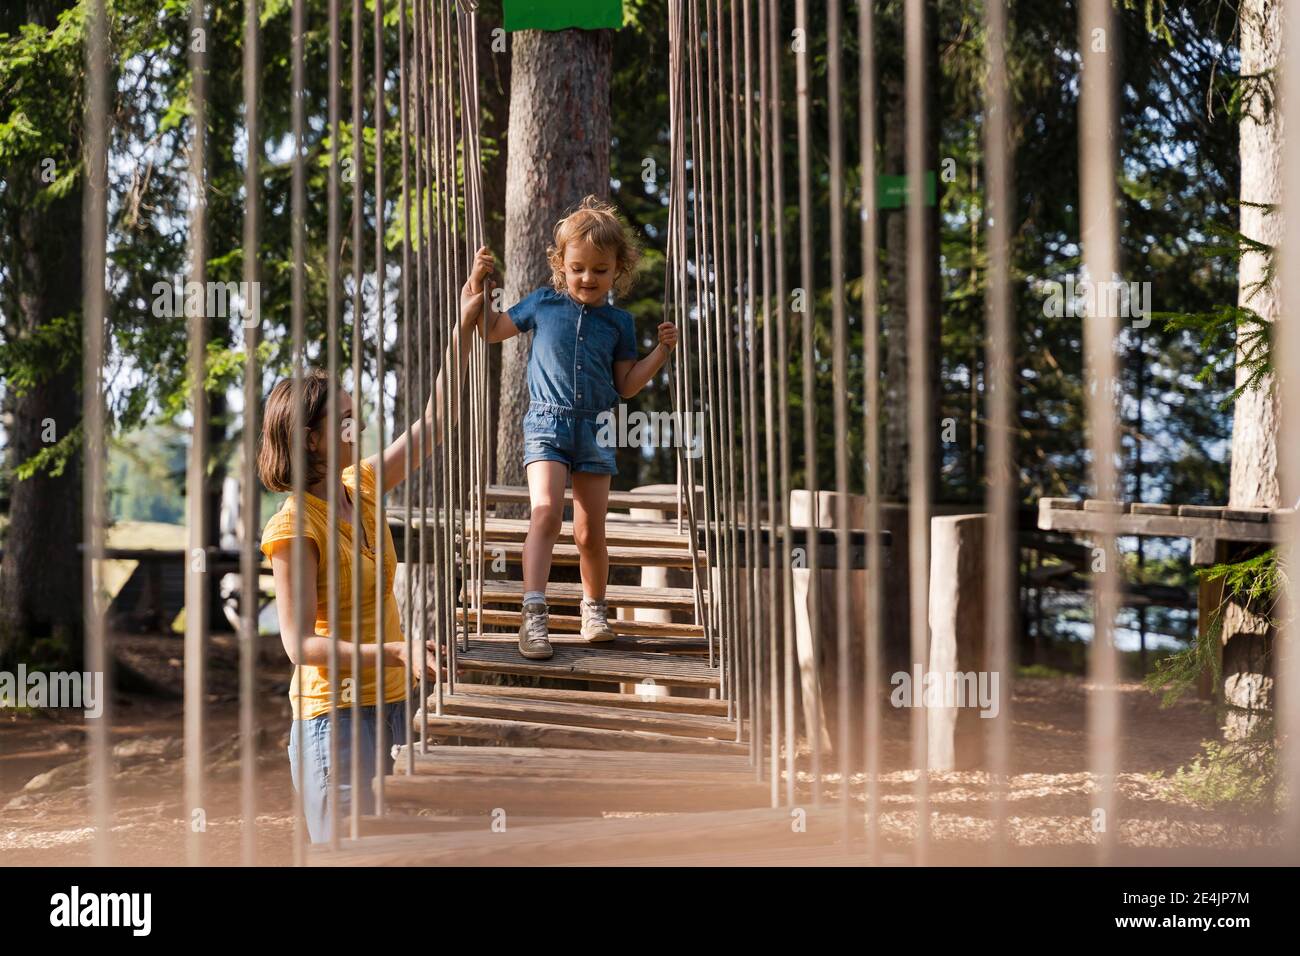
pixel 668 336
pixel 471 294
pixel 412 663
pixel 485 264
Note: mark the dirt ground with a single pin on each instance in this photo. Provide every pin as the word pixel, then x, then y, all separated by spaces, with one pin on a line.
pixel 45 803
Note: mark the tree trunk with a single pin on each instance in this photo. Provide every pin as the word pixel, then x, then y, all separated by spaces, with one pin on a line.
pixel 1247 637
pixel 559 152
pixel 40 576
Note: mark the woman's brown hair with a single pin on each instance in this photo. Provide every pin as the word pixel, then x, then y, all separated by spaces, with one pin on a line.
pixel 600 224
pixel 275 458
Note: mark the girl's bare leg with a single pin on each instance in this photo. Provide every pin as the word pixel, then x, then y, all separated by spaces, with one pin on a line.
pixel 546 492
pixel 590 505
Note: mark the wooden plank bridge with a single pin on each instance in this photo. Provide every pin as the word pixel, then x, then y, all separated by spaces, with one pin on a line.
pixel 639 753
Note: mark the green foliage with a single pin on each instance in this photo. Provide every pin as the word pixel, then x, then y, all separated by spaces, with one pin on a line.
pixel 1242 774
pixel 1232 335
pixel 1255 582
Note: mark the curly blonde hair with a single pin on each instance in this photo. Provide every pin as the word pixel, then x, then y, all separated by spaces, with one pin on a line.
pixel 599 223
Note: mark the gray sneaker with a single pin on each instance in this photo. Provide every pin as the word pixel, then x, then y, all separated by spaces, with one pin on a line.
pixel 595 624
pixel 534 633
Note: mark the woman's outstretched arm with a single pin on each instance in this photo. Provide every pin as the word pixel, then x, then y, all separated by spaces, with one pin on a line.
pixel 430 426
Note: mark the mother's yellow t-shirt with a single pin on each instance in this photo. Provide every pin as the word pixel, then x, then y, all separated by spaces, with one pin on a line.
pixel 312 684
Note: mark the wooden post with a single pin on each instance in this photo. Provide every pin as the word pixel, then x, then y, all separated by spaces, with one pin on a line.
pixel 957 728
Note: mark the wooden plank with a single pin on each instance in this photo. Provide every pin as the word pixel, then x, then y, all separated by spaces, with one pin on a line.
pixel 572 622
pixel 593 841
pixel 617 595
pixel 571 797
pixel 1246 514
pixel 1199 511
pixel 1146 508
pixel 624 532
pixel 1102 506
pixel 408 823
pixel 518 494
pixel 673 705
pixel 560 760
pixel 1166 526
pixel 640 555
pixel 1061 504
pixel 630 764
pixel 583 663
pixel 519 733
pixel 586 715
pixel 649 645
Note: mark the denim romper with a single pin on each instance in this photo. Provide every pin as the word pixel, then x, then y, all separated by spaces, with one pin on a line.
pixel 571 377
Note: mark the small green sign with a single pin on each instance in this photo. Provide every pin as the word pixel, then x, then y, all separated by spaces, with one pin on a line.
pixel 563 14
pixel 891 191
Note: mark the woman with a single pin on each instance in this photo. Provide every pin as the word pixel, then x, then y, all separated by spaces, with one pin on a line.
pixel 311 690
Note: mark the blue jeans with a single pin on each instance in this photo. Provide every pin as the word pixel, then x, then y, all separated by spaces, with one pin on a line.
pixel 314 734
pixel 570 436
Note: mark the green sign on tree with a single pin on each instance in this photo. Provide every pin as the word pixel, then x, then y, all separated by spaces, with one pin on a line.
pixel 549 15
pixel 892 192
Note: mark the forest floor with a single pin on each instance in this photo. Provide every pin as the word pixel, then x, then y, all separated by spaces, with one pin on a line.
pixel 45 802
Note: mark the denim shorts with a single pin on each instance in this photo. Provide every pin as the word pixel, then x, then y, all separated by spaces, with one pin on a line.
pixel 314 735
pixel 554 433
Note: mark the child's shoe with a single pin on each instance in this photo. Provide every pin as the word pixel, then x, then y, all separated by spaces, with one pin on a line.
pixel 595 626
pixel 534 633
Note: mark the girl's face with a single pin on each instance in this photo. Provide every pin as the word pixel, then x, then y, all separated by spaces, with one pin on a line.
pixel 588 272
pixel 350 430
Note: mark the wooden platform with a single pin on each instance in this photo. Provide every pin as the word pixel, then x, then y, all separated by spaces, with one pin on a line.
pixel 518 494
pixel 617 595
pixel 621 555
pixel 1159 520
pixel 590 662
pixel 666 704
pixel 622 642
pixel 551 753
pixel 618 533
pixel 527 733
pixel 596 842
pixel 572 622
pixel 574 714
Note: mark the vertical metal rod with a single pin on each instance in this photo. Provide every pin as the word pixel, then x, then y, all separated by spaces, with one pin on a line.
pixel 774 582
pixel 298 208
pixel 1001 553
pixel 358 393
pixel 1100 241
pixel 196 580
pixel 407 384
pixel 737 328
pixel 380 538
pixel 920 420
pixel 873 665
pixel 783 389
pixel 251 504
pixel 1287 367
pixel 333 452
pixel 840 386
pixel 750 431
pixel 809 392
pixel 94 297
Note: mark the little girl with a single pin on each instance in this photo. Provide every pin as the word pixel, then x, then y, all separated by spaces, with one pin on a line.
pixel 311 690
pixel 583 360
